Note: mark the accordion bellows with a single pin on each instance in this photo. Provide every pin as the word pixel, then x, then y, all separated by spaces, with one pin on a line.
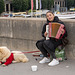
pixel 54 30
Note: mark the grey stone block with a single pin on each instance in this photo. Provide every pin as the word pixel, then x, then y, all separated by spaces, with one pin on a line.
pixel 22 34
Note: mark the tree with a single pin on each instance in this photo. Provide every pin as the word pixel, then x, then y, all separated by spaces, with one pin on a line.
pixel 1 6
pixel 34 4
pixel 44 4
pixel 24 5
pixel 70 3
pixel 29 3
pixel 50 3
pixel 47 4
pixel 20 5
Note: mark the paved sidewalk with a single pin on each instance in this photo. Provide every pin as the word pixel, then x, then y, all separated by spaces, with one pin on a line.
pixel 66 67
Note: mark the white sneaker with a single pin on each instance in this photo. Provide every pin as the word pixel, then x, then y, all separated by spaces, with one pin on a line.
pixel 53 62
pixel 44 60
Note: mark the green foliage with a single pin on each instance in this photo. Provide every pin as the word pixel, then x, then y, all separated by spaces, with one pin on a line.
pixel 44 4
pixel 34 4
pixel 1 6
pixel 29 3
pixel 20 5
pixel 70 3
pixel 50 4
pixel 47 4
pixel 23 5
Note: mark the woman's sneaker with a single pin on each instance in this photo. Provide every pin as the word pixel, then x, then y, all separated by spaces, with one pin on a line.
pixel 53 62
pixel 44 60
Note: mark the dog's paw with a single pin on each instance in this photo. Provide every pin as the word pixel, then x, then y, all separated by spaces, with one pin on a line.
pixel 3 65
pixel 14 61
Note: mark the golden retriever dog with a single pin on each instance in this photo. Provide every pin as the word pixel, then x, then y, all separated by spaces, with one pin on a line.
pixel 7 57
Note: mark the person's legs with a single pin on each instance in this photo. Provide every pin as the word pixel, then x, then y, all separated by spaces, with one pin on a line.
pixel 52 53
pixel 49 50
pixel 43 51
pixel 41 48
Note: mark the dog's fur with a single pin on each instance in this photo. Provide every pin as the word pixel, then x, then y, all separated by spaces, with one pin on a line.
pixel 18 55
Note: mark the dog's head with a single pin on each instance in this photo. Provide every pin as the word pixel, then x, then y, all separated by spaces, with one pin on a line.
pixel 1 54
pixel 4 52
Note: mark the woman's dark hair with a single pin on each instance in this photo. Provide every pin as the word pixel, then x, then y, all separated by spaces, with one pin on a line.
pixel 49 12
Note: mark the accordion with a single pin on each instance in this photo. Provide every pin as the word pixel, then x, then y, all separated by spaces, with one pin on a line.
pixel 54 30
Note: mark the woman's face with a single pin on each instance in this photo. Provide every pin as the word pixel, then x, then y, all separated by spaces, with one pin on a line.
pixel 50 16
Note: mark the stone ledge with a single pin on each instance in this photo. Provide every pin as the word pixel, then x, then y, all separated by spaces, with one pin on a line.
pixel 22 33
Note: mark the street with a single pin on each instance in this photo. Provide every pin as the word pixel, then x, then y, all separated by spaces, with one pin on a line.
pixel 67 67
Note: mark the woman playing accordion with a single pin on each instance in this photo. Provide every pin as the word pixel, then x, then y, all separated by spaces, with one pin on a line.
pixel 50 41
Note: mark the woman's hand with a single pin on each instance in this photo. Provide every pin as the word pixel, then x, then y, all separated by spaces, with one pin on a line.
pixel 45 34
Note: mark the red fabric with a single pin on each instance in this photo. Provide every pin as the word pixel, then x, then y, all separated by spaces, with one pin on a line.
pixel 32 4
pixel 9 60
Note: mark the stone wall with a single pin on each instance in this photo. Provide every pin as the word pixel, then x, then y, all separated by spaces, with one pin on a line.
pixel 70 48
pixel 22 34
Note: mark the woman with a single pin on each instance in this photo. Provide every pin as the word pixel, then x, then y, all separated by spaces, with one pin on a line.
pixel 49 46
